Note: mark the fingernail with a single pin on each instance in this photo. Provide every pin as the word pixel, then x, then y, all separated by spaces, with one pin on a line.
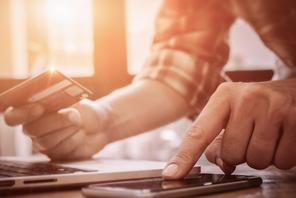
pixel 8 110
pixel 170 170
pixel 36 110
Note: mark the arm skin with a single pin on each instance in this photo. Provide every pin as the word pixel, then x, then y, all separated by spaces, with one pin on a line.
pixel 142 106
pixel 82 130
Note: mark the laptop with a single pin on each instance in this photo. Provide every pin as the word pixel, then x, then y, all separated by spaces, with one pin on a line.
pixel 18 174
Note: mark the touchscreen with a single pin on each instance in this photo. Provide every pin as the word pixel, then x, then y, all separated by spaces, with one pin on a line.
pixel 158 184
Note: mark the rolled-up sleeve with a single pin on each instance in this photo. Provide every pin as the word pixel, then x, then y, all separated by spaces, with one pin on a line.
pixel 190 48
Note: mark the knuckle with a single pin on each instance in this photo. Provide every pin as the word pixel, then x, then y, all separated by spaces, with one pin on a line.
pixel 195 131
pixel 243 108
pixel 225 91
pixel 225 87
pixel 249 91
pixel 279 107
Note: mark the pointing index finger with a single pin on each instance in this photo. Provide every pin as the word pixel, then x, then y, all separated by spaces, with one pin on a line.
pixel 200 134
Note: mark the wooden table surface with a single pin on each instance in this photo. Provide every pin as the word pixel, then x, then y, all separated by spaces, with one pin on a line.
pixel 276 183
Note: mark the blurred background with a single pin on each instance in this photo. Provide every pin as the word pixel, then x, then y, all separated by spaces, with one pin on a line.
pixel 102 44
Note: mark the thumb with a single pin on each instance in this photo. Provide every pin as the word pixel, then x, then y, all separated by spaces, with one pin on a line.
pixel 72 114
pixel 213 154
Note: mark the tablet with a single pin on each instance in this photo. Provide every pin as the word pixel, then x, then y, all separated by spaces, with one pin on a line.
pixel 193 185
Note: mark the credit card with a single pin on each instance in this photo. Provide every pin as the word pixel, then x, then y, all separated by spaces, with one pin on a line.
pixel 52 89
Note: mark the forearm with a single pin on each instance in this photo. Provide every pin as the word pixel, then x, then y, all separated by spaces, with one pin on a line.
pixel 142 106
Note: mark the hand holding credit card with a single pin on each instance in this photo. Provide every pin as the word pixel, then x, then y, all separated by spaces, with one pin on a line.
pixel 52 89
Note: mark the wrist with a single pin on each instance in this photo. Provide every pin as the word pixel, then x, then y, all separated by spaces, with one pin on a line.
pixel 105 116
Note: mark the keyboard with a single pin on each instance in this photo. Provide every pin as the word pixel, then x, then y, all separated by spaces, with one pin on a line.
pixel 21 169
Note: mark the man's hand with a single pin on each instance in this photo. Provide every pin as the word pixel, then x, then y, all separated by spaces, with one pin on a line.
pixel 73 133
pixel 242 122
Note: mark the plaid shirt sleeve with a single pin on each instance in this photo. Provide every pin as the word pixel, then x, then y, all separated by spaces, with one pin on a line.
pixel 190 48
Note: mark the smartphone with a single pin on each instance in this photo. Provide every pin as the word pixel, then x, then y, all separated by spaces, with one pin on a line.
pixel 52 89
pixel 193 185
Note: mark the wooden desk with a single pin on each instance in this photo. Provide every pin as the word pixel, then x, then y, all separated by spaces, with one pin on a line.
pixel 276 184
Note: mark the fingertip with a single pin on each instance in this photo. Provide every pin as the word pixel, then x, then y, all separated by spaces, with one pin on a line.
pixel 8 115
pixel 226 168
pixel 170 171
pixel 174 171
pixel 20 115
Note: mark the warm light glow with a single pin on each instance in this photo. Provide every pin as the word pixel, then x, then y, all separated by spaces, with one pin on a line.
pixel 59 11
pixel 140 17
pixel 69 36
pixel 52 69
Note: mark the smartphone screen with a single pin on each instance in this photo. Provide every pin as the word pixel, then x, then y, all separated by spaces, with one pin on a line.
pixel 197 184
